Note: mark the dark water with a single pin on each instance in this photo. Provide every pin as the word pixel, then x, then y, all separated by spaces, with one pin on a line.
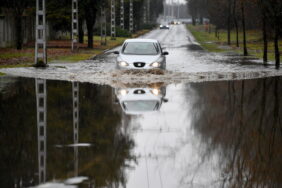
pixel 211 134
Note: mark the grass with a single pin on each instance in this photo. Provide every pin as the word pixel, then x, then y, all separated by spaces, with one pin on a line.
pixel 77 56
pixel 14 55
pixel 10 58
pixel 213 44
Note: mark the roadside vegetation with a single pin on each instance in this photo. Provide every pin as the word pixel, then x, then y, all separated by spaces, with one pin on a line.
pixel 21 15
pixel 254 26
pixel 58 51
pixel 218 43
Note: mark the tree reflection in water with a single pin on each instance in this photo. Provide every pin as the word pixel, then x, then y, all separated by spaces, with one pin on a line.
pixel 104 162
pixel 241 120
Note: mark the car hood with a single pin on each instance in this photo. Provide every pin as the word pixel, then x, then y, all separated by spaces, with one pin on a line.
pixel 138 58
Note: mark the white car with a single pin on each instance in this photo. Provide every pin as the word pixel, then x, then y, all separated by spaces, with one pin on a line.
pixel 164 26
pixel 141 54
pixel 136 101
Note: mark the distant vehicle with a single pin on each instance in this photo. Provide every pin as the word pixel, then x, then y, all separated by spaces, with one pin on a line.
pixel 141 54
pixel 136 101
pixel 165 26
pixel 175 22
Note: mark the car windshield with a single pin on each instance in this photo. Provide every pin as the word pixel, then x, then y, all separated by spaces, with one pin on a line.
pixel 141 48
pixel 141 106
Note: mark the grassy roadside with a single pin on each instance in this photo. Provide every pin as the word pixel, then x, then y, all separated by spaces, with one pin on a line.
pixel 213 44
pixel 59 51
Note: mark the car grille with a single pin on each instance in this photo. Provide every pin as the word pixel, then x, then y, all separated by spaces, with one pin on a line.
pixel 139 91
pixel 139 64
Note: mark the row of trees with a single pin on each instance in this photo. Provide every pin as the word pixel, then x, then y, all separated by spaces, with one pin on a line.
pixel 59 14
pixel 265 15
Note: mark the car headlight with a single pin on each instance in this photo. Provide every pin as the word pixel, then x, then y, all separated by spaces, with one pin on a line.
pixel 123 64
pixel 123 92
pixel 155 92
pixel 156 64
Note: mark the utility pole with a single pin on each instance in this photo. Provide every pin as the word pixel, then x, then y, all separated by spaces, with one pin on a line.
pixel 169 11
pixel 131 16
pixel 41 109
pixel 172 9
pixel 122 14
pixel 144 14
pixel 113 20
pixel 74 35
pixel 178 11
pixel 148 11
pixel 40 35
pixel 103 25
pixel 164 5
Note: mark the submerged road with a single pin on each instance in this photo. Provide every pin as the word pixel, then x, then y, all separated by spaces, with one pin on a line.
pixel 184 129
pixel 201 135
pixel 187 62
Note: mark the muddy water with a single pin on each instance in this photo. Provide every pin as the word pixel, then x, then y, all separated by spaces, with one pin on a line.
pixel 186 62
pixel 211 134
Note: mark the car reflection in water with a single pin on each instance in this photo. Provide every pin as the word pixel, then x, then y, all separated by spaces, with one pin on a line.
pixel 141 100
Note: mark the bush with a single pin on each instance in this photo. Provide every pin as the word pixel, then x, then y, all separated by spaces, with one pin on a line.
pixel 122 32
pixel 149 26
pixel 119 31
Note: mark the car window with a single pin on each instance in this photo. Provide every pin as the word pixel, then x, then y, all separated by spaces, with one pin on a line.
pixel 160 47
pixel 141 48
pixel 141 106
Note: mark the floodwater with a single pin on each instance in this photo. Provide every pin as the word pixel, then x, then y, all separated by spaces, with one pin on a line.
pixel 211 134
pixel 211 120
pixel 187 62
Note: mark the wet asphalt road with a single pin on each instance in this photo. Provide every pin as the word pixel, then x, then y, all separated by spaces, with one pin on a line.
pixel 210 121
pixel 187 62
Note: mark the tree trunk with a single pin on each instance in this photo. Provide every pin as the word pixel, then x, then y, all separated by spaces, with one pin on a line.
pixel 265 40
pixel 80 31
pixel 244 28
pixel 90 16
pixel 19 37
pixel 90 33
pixel 229 23
pixel 217 32
pixel 201 20
pixel 276 46
pixel 237 33
pixel 236 22
pixel 193 21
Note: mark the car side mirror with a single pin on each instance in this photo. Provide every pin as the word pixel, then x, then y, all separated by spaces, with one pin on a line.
pixel 165 53
pixel 116 101
pixel 165 100
pixel 116 52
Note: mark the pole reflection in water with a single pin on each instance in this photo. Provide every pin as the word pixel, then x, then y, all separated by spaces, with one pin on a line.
pixel 211 134
pixel 41 96
pixel 77 113
pixel 75 96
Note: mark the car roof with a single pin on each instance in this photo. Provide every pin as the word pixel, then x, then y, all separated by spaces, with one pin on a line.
pixel 141 40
